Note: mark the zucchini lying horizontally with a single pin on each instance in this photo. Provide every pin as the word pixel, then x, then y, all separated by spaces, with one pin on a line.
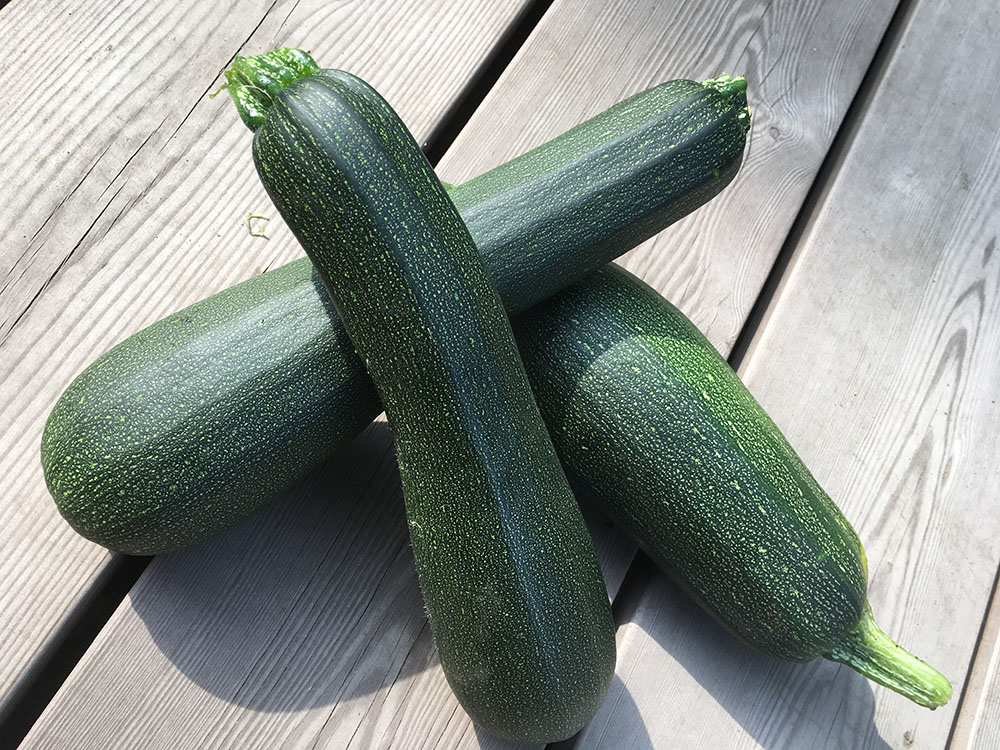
pixel 652 423
pixel 198 420
pixel 513 592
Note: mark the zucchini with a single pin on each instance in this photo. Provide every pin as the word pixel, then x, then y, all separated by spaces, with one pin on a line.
pixel 200 419
pixel 652 424
pixel 514 595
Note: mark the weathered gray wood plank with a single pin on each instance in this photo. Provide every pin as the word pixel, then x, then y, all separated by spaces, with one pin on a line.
pixel 376 682
pixel 878 360
pixel 124 194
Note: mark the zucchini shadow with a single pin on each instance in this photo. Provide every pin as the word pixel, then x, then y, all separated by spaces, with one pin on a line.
pixel 619 701
pixel 780 704
pixel 312 601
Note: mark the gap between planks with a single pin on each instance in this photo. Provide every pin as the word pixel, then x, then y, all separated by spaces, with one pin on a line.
pixel 981 680
pixel 824 178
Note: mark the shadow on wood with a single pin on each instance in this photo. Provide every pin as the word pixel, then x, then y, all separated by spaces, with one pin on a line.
pixel 689 654
pixel 311 602
pixel 630 731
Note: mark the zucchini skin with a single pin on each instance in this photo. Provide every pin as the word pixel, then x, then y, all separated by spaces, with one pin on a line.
pixel 653 425
pixel 514 595
pixel 197 421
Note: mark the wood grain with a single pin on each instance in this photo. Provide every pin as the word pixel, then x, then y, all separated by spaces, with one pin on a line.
pixel 125 189
pixel 877 358
pixel 391 693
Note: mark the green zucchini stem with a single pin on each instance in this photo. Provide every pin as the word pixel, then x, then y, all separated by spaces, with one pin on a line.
pixel 875 655
pixel 735 87
pixel 253 82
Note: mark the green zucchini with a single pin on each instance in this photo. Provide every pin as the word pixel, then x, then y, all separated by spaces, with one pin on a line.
pixel 514 595
pixel 200 419
pixel 652 424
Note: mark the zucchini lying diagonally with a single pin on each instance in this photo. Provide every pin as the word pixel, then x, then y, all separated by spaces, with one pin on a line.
pixel 198 420
pixel 652 424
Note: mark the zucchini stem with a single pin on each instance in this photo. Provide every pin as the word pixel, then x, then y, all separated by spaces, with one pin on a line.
pixel 875 655
pixel 253 82
pixel 735 87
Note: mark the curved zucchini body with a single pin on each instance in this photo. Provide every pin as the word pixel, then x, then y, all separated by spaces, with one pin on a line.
pixel 514 595
pixel 200 419
pixel 652 424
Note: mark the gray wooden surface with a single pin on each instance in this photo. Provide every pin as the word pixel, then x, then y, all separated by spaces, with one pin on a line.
pixel 304 626
pixel 124 190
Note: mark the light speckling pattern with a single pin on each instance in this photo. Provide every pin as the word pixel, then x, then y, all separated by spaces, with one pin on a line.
pixel 177 432
pixel 198 420
pixel 514 596
pixel 652 423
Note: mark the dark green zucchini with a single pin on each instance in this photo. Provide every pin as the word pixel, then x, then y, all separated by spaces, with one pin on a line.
pixel 198 420
pixel 514 595
pixel 652 424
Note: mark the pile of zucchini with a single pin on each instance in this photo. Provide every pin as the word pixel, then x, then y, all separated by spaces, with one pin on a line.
pixel 202 418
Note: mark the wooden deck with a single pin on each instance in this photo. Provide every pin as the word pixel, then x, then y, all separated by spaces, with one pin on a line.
pixel 851 271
